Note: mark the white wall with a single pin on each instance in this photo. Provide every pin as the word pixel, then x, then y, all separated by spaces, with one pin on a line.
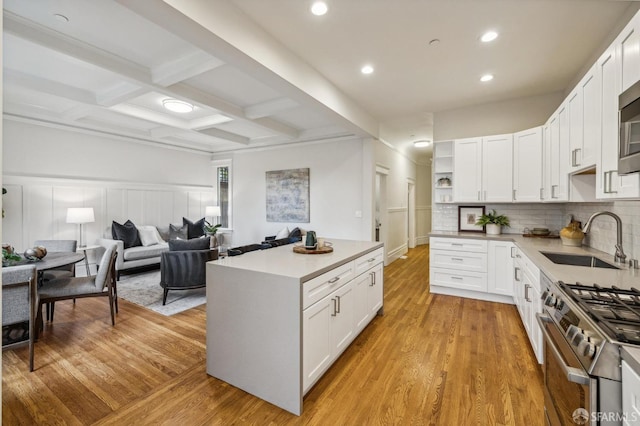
pixel 495 118
pixel 423 203
pixel 401 171
pixel 336 190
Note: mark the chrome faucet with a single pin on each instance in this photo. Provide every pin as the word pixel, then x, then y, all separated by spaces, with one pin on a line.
pixel 619 257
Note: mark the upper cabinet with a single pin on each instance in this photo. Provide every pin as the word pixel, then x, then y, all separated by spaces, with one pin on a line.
pixel 556 156
pixel 618 66
pixel 443 171
pixel 483 169
pixel 584 121
pixel 527 165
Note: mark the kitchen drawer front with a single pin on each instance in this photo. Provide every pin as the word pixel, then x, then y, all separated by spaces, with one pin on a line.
pixel 369 260
pixel 458 260
pixel 459 244
pixel 320 286
pixel 474 281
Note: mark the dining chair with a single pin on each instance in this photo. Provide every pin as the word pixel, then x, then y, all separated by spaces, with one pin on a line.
pixel 100 285
pixel 19 302
pixel 67 271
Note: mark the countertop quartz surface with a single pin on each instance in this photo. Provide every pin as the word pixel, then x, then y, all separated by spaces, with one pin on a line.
pixel 283 261
pixel 625 277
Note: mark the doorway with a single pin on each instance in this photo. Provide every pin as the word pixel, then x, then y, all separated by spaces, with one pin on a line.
pixel 380 219
pixel 411 214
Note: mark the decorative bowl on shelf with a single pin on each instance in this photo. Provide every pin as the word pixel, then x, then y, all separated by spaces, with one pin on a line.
pixel 444 181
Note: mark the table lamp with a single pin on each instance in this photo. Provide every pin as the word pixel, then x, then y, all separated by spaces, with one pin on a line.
pixel 212 211
pixel 80 215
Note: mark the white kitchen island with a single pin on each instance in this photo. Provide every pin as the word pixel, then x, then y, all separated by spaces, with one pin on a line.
pixel 277 320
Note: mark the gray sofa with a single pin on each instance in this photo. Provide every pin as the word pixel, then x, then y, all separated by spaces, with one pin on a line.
pixel 134 257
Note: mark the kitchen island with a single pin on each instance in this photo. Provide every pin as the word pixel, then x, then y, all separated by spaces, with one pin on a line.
pixel 277 320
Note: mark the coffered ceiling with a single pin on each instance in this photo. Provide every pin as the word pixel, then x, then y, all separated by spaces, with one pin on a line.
pixel 107 65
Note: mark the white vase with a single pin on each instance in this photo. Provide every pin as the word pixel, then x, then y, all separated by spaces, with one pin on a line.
pixel 493 229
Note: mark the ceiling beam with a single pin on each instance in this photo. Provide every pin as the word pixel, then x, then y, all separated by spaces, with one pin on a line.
pixel 16 78
pixel 183 68
pixel 268 108
pixel 119 93
pixel 226 136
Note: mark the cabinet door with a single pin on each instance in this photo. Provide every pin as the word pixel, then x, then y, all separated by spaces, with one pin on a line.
pixel 629 48
pixel 591 117
pixel 527 165
pixel 497 168
pixel 467 169
pixel 575 127
pixel 500 267
pixel 317 343
pixel 342 318
pixel 546 157
pixel 560 187
pixel 361 311
pixel 536 333
pixel 376 290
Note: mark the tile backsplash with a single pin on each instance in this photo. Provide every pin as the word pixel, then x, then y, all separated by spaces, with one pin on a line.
pixel 602 235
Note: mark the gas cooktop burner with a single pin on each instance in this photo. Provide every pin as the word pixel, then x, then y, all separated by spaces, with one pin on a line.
pixel 616 310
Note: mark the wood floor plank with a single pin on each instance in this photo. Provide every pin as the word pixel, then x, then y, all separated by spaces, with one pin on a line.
pixel 431 359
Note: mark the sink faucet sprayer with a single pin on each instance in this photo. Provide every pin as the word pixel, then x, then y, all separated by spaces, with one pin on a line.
pixel 619 257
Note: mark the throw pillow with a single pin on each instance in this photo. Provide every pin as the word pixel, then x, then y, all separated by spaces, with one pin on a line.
pixel 295 233
pixel 192 244
pixel 195 229
pixel 127 233
pixel 283 233
pixel 148 235
pixel 176 232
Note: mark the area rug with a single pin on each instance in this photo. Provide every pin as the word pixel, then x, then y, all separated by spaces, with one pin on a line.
pixel 144 289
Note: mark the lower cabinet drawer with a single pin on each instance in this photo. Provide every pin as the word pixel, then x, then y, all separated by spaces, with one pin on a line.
pixel 318 287
pixel 462 260
pixel 475 281
pixel 369 260
pixel 460 244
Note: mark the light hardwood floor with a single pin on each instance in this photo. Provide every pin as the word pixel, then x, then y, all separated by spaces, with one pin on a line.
pixel 430 359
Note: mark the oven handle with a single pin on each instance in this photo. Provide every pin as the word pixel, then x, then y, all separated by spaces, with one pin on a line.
pixel 574 375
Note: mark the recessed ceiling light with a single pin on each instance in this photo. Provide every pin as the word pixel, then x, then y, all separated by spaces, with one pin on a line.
pixel 177 106
pixel 319 8
pixel 422 143
pixel 60 17
pixel 367 69
pixel 489 36
pixel 486 77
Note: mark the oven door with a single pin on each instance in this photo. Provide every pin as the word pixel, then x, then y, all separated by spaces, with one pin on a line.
pixel 570 394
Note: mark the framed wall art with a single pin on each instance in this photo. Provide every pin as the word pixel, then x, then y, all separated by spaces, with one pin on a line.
pixel 288 195
pixel 467 218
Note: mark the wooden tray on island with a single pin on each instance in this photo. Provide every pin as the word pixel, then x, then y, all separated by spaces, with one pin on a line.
pixel 303 250
pixel 541 236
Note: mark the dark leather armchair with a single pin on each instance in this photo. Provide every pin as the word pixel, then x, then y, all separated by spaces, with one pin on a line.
pixel 184 269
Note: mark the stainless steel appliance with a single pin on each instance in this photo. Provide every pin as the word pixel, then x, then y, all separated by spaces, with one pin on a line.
pixel 584 327
pixel 629 113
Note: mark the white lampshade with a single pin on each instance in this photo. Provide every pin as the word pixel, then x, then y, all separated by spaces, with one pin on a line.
pixel 80 215
pixel 211 211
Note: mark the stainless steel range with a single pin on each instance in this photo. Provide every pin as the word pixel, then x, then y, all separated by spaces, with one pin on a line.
pixel 584 327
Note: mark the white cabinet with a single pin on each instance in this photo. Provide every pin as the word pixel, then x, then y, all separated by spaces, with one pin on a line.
pixel 460 267
pixel 630 394
pixel 330 324
pixel 527 165
pixel 482 168
pixel 610 185
pixel 584 121
pixel 556 156
pixel 500 259
pixel 526 283
pixel 628 47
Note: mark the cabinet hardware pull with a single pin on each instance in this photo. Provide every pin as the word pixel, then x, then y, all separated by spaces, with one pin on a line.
pixel 372 282
pixel 458 259
pixel 338 311
pixel 513 253
pixel 542 193
pixel 457 278
pixel 526 292
pixel 611 191
pixel 553 191
pixel 578 149
pixel 334 307
pixel 333 280
pixel 514 195
pixel 478 195
pixel 515 273
pixel 457 244
pixel 372 259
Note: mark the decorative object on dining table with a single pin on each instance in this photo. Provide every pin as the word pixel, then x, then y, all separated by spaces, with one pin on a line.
pixel 467 218
pixel 572 235
pixel 326 247
pixel 35 253
pixel 9 256
pixel 493 222
pixel 310 242
pixel 80 215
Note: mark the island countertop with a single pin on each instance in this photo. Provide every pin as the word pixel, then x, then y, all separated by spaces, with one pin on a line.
pixel 284 262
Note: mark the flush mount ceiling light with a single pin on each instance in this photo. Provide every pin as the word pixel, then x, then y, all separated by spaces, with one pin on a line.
pixel 422 143
pixel 489 36
pixel 486 77
pixel 319 8
pixel 367 69
pixel 177 106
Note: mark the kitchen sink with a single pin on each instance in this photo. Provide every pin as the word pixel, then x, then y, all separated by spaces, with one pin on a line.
pixel 578 260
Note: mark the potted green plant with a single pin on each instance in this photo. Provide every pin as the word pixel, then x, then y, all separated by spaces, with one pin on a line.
pixel 211 230
pixel 493 222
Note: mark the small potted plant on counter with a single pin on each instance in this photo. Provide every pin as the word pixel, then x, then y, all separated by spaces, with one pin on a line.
pixel 493 222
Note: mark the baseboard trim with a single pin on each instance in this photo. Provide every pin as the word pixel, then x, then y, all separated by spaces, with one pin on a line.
pixel 396 253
